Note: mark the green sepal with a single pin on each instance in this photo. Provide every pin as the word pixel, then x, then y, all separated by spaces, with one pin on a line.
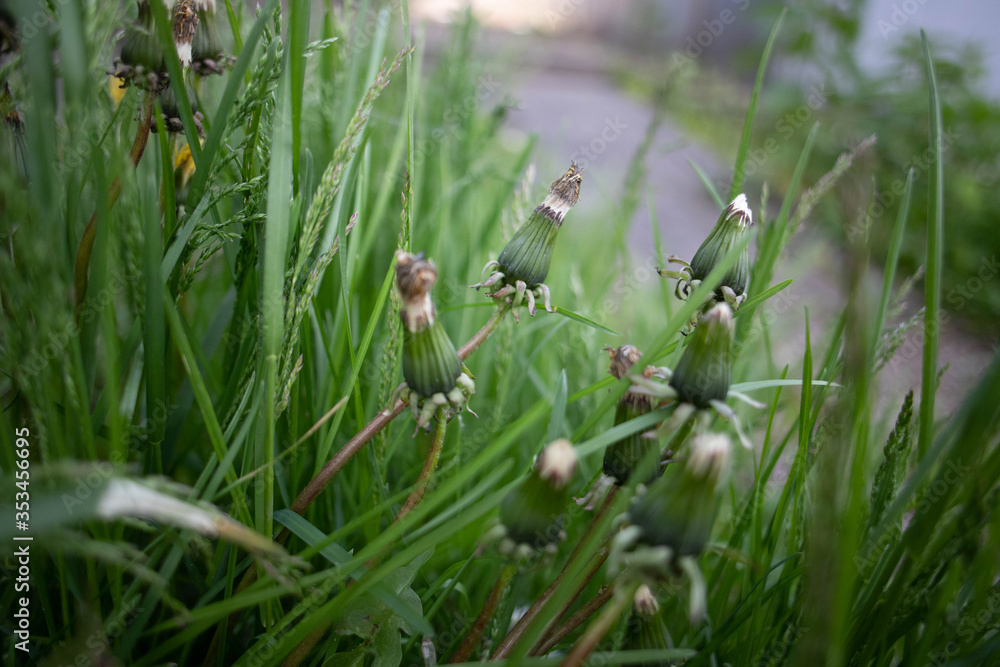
pixel 207 54
pixel 528 254
pixel 531 511
pixel 705 369
pixel 141 49
pixel 430 362
pixel 623 457
pixel 677 511
pixel 726 235
pixel 646 633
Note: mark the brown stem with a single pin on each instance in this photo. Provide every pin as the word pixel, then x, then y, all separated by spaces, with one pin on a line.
pixel 515 633
pixel 546 644
pixel 596 631
pixel 418 492
pixel 484 333
pixel 340 459
pixel 475 635
pixel 86 247
pixel 302 649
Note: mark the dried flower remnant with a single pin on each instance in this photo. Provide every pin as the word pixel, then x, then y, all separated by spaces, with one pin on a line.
pixel 185 25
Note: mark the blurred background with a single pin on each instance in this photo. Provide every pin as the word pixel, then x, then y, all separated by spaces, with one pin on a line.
pixel 603 82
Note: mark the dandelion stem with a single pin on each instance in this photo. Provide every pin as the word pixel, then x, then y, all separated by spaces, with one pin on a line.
pixel 546 644
pixel 473 344
pixel 515 634
pixel 596 631
pixel 429 465
pixel 86 247
pixel 475 635
pixel 340 459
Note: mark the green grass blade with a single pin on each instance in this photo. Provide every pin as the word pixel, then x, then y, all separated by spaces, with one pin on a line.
pixel 741 153
pixel 935 254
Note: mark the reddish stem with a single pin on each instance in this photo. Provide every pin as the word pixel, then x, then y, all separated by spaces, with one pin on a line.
pixel 86 247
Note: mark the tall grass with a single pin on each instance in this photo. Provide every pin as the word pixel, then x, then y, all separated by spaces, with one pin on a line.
pixel 236 339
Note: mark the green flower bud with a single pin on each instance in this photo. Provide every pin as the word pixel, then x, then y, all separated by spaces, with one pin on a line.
pixel 527 256
pixel 531 512
pixel 704 371
pixel 678 510
pixel 646 630
pixel 622 457
pixel 207 55
pixel 142 55
pixel 430 362
pixel 727 233
pixel 172 110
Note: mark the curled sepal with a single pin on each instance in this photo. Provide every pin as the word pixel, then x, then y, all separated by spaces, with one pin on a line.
pixel 674 517
pixel 532 514
pixel 704 371
pixel 623 457
pixel 729 231
pixel 520 271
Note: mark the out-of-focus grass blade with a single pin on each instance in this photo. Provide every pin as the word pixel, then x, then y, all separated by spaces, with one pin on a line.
pixel 935 251
pixel 558 408
pixel 744 387
pixel 709 185
pixel 741 154
pixel 892 260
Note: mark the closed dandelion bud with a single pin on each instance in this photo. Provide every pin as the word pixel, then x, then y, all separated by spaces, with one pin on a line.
pixel 430 362
pixel 727 233
pixel 207 54
pixel 678 510
pixel 622 457
pixel 646 630
pixel 531 512
pixel 142 55
pixel 704 371
pixel 172 111
pixel 528 254
pixel 185 25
